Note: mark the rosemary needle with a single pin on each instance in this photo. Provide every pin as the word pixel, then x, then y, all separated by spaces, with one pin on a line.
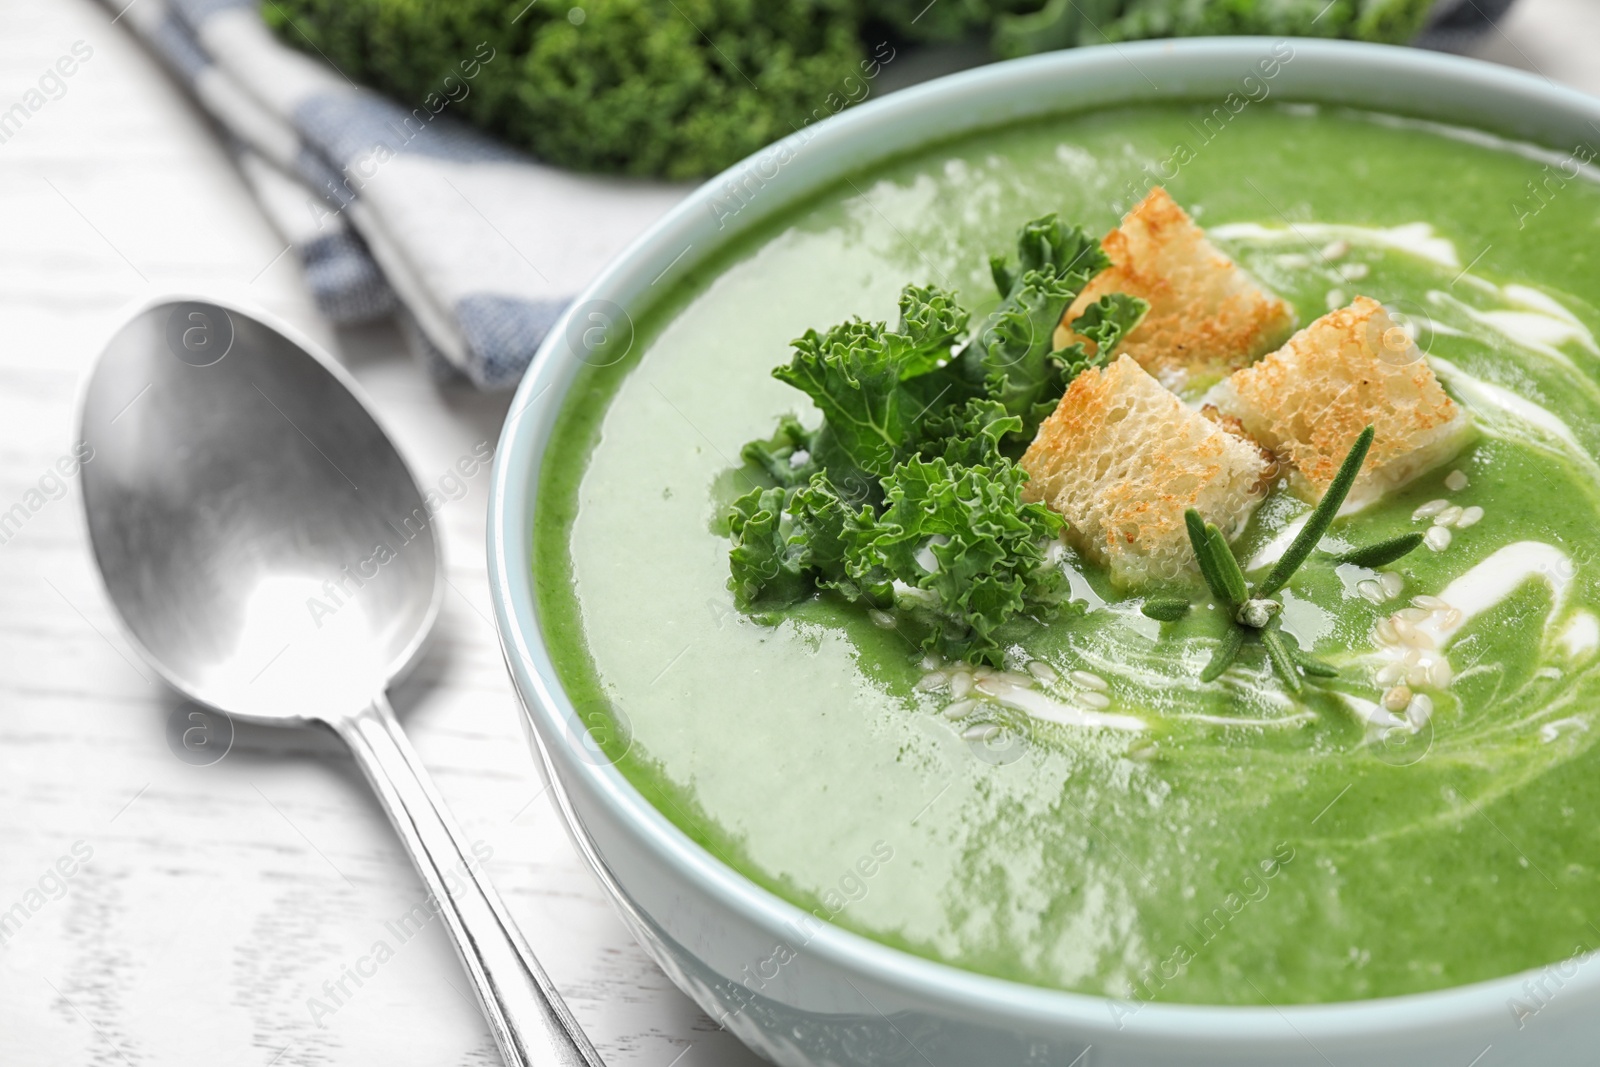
pixel 1223 657
pixel 1321 517
pixel 1381 552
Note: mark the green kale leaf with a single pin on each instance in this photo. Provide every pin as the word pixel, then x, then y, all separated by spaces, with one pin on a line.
pixel 907 497
pixel 767 569
pixel 1105 322
pixel 786 456
pixel 855 372
pixel 968 550
pixel 1009 359
pixel 969 435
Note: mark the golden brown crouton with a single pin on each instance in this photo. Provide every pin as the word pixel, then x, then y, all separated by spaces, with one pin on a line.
pixel 1122 458
pixel 1309 401
pixel 1206 316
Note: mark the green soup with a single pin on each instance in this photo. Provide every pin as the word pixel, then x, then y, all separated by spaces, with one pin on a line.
pixel 1244 847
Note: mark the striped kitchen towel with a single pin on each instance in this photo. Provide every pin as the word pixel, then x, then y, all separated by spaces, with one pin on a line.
pixel 396 208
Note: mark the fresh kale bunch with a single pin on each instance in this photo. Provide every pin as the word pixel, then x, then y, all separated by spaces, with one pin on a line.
pixel 683 88
pixel 1023 27
pixel 907 497
pixel 674 88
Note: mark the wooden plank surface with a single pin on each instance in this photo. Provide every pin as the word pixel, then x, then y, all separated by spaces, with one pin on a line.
pixel 175 914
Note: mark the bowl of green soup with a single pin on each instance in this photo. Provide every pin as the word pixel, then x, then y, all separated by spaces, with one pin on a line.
pixel 1094 560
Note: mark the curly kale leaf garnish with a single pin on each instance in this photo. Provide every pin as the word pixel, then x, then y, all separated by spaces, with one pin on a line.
pixel 1009 359
pixel 907 497
pixel 968 549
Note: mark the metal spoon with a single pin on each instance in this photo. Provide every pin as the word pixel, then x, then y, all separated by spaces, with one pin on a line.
pixel 270 554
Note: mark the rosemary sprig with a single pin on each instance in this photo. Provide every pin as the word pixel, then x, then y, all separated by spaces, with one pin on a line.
pixel 1321 516
pixel 1253 611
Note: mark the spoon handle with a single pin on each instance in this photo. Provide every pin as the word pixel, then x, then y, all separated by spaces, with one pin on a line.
pixel 531 1024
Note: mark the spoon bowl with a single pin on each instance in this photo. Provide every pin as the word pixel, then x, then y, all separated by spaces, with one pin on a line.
pixel 258 533
pixel 270 554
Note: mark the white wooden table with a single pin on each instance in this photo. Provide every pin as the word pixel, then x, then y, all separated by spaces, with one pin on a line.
pixel 205 906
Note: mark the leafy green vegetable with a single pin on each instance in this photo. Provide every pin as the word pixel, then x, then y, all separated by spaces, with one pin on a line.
pixel 676 88
pixel 855 374
pixel 767 571
pixel 685 88
pixel 930 323
pixel 786 455
pixel 851 375
pixel 1110 319
pixel 907 496
pixel 1392 21
pixel 831 531
pixel 969 435
pixel 1013 358
pixel 964 535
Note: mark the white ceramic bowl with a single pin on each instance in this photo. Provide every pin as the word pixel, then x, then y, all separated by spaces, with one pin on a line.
pixel 842 998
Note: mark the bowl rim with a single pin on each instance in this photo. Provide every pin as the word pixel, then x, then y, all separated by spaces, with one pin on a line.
pixel 537 402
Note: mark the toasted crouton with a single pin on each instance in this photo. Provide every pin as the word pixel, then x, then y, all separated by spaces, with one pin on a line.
pixel 1122 458
pixel 1309 401
pixel 1206 316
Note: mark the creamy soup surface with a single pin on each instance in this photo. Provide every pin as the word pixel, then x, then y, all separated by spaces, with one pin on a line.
pixel 1243 846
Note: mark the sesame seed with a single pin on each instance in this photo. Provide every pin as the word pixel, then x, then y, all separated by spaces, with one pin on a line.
pixel 1419 711
pixel 1371 589
pixel 1087 680
pixel 1447 517
pixel 961 684
pixel 1421 639
pixel 1393 582
pixel 1094 700
pixel 1469 516
pixel 932 680
pixel 1451 617
pixel 1413 614
pixel 1386 632
pixel 1021 681
pixel 1335 249
pixel 1440 675
pixel 1389 674
pixel 1432 603
pixel 959 708
pixel 1431 508
pixel 1044 672
pixel 1437 539
pixel 1403 628
pixel 1417 676
pixel 1455 481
